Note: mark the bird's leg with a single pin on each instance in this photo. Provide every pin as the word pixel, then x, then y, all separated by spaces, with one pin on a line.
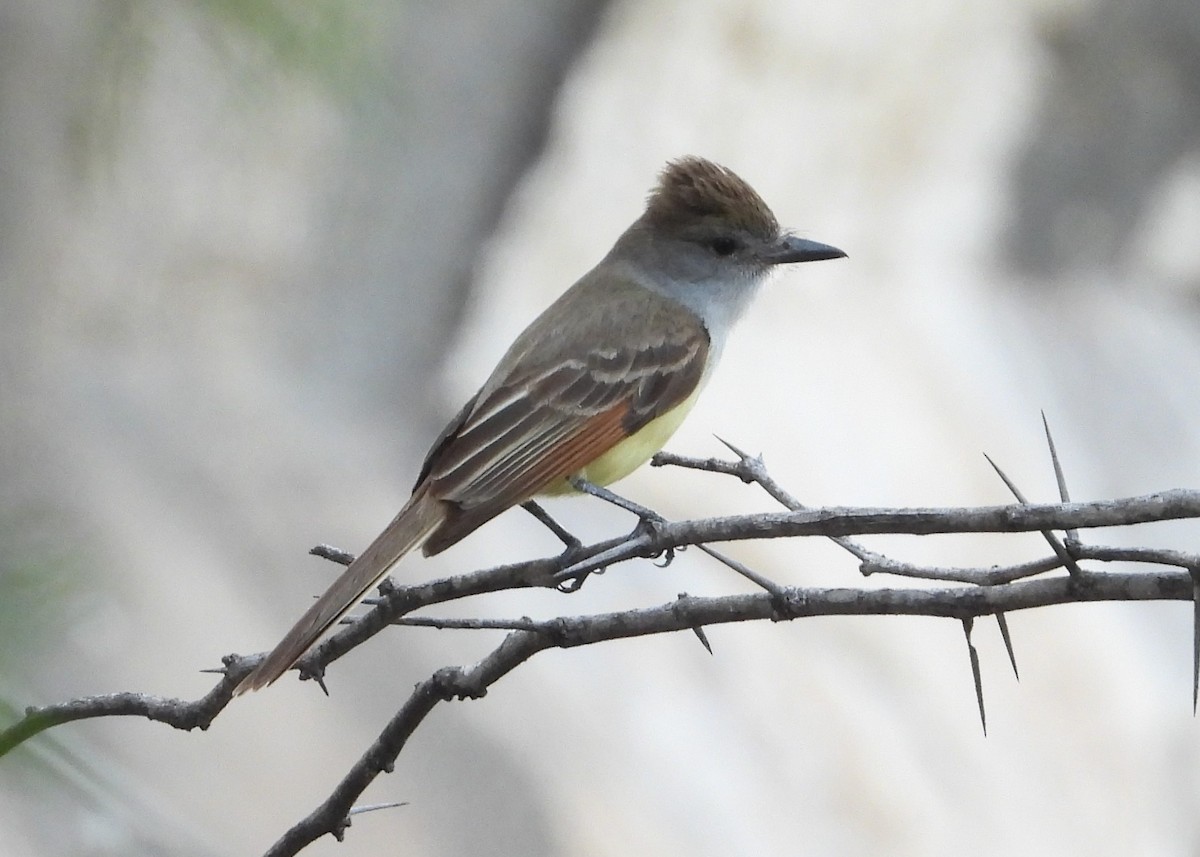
pixel 582 485
pixel 647 518
pixel 569 541
pixel 571 545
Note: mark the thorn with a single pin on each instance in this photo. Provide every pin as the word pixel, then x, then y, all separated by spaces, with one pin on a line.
pixel 748 465
pixel 745 571
pixel 359 810
pixel 1063 493
pixel 1002 621
pixel 745 456
pixel 698 630
pixel 975 673
pixel 1054 541
pixel 1195 637
pixel 1016 492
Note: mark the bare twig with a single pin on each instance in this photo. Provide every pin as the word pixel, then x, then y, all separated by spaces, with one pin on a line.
pixel 332 554
pixel 689 612
pixel 752 468
pixel 400 600
pixel 333 815
pixel 840 521
pixel 523 624
pixel 995 591
pixel 178 713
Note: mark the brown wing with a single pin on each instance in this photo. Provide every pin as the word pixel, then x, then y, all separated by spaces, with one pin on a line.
pixel 551 408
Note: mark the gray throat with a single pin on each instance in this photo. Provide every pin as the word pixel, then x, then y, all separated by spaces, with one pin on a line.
pixel 717 303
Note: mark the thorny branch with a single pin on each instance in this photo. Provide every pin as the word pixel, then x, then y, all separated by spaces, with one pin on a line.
pixel 990 591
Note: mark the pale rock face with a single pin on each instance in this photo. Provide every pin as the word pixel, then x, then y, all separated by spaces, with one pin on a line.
pixel 891 134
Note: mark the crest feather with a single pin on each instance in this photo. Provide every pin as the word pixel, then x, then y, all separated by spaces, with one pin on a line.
pixel 693 188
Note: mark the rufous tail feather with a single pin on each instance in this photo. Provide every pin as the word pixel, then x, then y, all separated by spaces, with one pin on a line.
pixel 419 517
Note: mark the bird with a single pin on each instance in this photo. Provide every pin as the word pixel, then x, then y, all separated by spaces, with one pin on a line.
pixel 593 387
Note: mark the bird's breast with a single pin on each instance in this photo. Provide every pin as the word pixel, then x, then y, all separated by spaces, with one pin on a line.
pixel 632 452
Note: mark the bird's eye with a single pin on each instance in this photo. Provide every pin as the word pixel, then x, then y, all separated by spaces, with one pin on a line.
pixel 723 245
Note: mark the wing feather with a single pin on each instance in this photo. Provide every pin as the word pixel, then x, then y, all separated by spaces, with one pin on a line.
pixel 550 409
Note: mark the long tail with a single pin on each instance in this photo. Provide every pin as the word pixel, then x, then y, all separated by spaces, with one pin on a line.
pixel 409 528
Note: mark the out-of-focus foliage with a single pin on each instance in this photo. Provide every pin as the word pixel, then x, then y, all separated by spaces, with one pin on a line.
pixel 38 588
pixel 328 42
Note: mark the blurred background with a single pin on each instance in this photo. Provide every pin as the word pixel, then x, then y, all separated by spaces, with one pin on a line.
pixel 253 254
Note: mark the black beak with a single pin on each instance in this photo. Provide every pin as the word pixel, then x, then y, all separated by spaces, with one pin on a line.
pixel 789 248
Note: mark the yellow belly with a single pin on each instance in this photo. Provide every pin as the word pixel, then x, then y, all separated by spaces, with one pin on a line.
pixel 631 453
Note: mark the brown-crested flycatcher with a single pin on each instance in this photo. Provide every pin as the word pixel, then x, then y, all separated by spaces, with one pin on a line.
pixel 593 387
